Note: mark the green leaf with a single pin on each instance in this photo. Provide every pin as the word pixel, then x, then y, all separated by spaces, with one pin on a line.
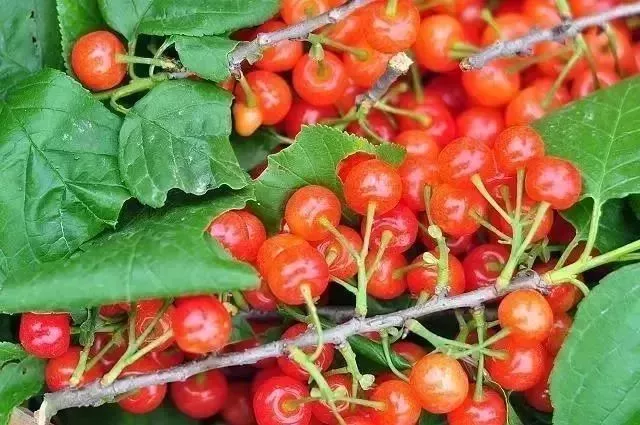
pixel 177 137
pixel 29 40
pixel 241 329
pixel 89 326
pixel 188 17
pixel 10 352
pixel 377 307
pixel 18 382
pixel 159 254
pixel 58 147
pixel 634 202
pixel 430 419
pixel 617 227
pixel 112 414
pixel 372 350
pixel 77 18
pixel 596 378
pixel 253 150
pixel 206 56
pixel 312 159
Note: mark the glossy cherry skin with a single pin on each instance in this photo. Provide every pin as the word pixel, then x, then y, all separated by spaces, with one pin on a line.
pixel 480 123
pixel 45 335
pixel 559 330
pixel 273 94
pixel 347 164
pixel 591 7
pixel 240 232
pixel 367 67
pixel 424 279
pixel 304 113
pixel 493 85
pixel 238 410
pixel 342 264
pixel 452 206
pixel 442 128
pixel 491 410
pixel 294 11
pixel 308 207
pixel 584 83
pixel 392 33
pixel 246 119
pixel 145 314
pixel 416 173
pixel 201 325
pixel 401 222
pixel 294 267
pixel 483 265
pixel 264 375
pixel 347 31
pixel 200 396
pixel 463 158
pixel 527 314
pixel 402 404
pixel 527 207
pixel 561 298
pixel 523 366
pixel 378 123
pixel 282 56
pixel 110 358
pixel 512 25
pixel 516 146
pixel 272 247
pixel 439 382
pixel 172 356
pixel 274 402
pixel 291 368
pixel 538 396
pixel 348 97
pixel 94 60
pixel 58 371
pixel 384 283
pixel 320 83
pixel 147 399
pixel 553 180
pixel 375 182
pixel 436 36
pixel 527 106
pixel 457 245
pixel 411 351
pixel 448 88
pixel 261 299
pixel 418 143
pixel 111 310
pixel 322 412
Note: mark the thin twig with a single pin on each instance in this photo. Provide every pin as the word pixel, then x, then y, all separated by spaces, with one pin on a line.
pixel 568 29
pixel 398 65
pixel 335 314
pixel 95 394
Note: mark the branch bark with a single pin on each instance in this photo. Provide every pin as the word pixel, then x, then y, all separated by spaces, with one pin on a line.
pixel 95 394
pixel 568 29
pixel 398 65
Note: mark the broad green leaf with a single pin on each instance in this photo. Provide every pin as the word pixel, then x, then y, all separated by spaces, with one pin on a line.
pixel 253 150
pixel 112 414
pixel 596 378
pixel 177 137
pixel 634 202
pixel 372 350
pixel 58 150
pixel 10 352
pixel 18 382
pixel 312 159
pixel 618 226
pixel 77 18
pixel 206 56
pixel 159 254
pixel 29 40
pixel 89 326
pixel 186 17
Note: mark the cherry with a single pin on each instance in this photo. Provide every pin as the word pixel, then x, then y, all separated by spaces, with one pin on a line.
pixel 346 165
pixel 448 88
pixel 418 143
pixel 347 31
pixel 201 325
pixel 493 85
pixel 94 59
pixel 538 396
pixel 591 7
pixel 372 182
pixel 272 92
pixel 543 12
pixel 392 31
pixel 275 402
pixel 264 375
pixel 294 267
pixel 583 84
pixel 240 232
pixel 168 358
pixel 246 119
pixel 291 368
pixel 463 158
pixel 521 369
pixel 59 370
pixel 527 106
pixel 483 265
pixel 497 180
pixel 379 123
pixel 200 396
pixel 410 351
pixel 261 299
pixel 45 335
pixel 272 247
pixel 561 298
pixel 516 146
pixel 511 25
pixel 402 405
pixel 401 222
pixel 146 311
pixel 348 97
pixel 439 382
pixel 111 310
pixel 146 399
pixel 527 314
pixel 110 358
pixel 490 410
pixel 308 207
pixel 282 56
pixel 442 127
pixel 342 264
pixel 238 409
pixel 357 420
pixel 436 38
pixel 320 82
pixel 452 208
pixel 416 173
pixel 527 207
pixel 559 330
pixel 304 113
pixel 365 67
pixel 457 245
pixel 599 43
pixel 562 232
pixel 480 123
pixel 553 180
pixel 424 279
pixel 384 284
pixel 294 11
pixel 320 409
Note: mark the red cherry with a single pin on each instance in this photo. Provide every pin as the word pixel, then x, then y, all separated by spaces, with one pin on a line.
pixel 94 60
pixel 272 247
pixel 439 382
pixel 275 402
pixel 379 123
pixel 264 375
pixel 561 298
pixel 59 370
pixel 527 106
pixel 418 143
pixel 416 173
pixel 240 232
pixel 527 314
pixel 201 325
pixel 600 45
pixel 291 368
pixel 261 299
pixel 543 12
pixel 464 158
pixel 448 88
pixel 562 232
pixel 521 369
pixel 365 67
pixel 493 85
pixel 480 123
pixel 384 284
pixel 113 354
pixel 320 82
pixel 553 180
pixel 348 97
pixel 392 32
pixel 45 335
pixel 111 310
pixel 559 330
pixel 442 127
pixel 527 207
pixel 411 352
pixel 483 265
pixel 372 182
pixel 294 11
pixel 282 56
pixel 238 410
pixel 538 396
pixel 273 93
pixel 146 311
pixel 424 279
pixel 303 113
pixel 491 410
pixel 200 396
pixel 342 265
pixel 516 146
pixel 346 165
pixel 308 207
pixel 436 37
pixel 142 400
pixel 322 412
pixel 168 358
pixel 591 7
pixel 403 225
pixel 452 208
pixel 347 31
pixel 511 25
pixel 583 84
pixel 402 405
pixel 457 245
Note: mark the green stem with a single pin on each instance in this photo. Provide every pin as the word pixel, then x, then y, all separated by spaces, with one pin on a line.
pixel 352 366
pixel 156 55
pixel 239 301
pixel 422 119
pixel 387 356
pixel 433 339
pixel 315 319
pixel 135 86
pixel 593 232
pixel 385 240
pixel 477 182
pixel 392 7
pixel 613 46
pixel 345 285
pixel 377 405
pixel 580 285
pixel 416 80
pixel 132 51
pixel 166 64
pixel 519 193
pixel 487 225
pixel 342 240
pixel 360 54
pixel 115 339
pixel 478 315
pixel 560 79
pixel 582 266
pixel 361 296
pixel 427 202
pixel 567 252
pixel 442 278
pixel 81 367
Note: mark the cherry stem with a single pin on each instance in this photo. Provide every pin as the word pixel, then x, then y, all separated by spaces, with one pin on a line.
pixel 560 79
pixel 392 8
pixel 506 198
pixel 249 96
pixel 163 47
pixel 387 356
pixel 443 260
pixel 115 338
pixel 135 86
pixel 239 301
pixel 416 82
pixel 613 46
pixel 464 328
pixel 580 285
pixel 81 367
pixel 593 232
pixel 132 50
pixel 399 272
pixel 487 16
pixel 385 240
pixel 360 54
pixel 519 193
pixel 478 316
pixel 346 285
pixel 477 182
pixel 342 240
pixel 315 319
pixel 422 119
pixel 567 252
pixel 427 202
pixel 436 340
pixel 361 296
pixel 367 129
pixel 352 365
pixel 377 405
pixel 164 63
pixel 486 224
